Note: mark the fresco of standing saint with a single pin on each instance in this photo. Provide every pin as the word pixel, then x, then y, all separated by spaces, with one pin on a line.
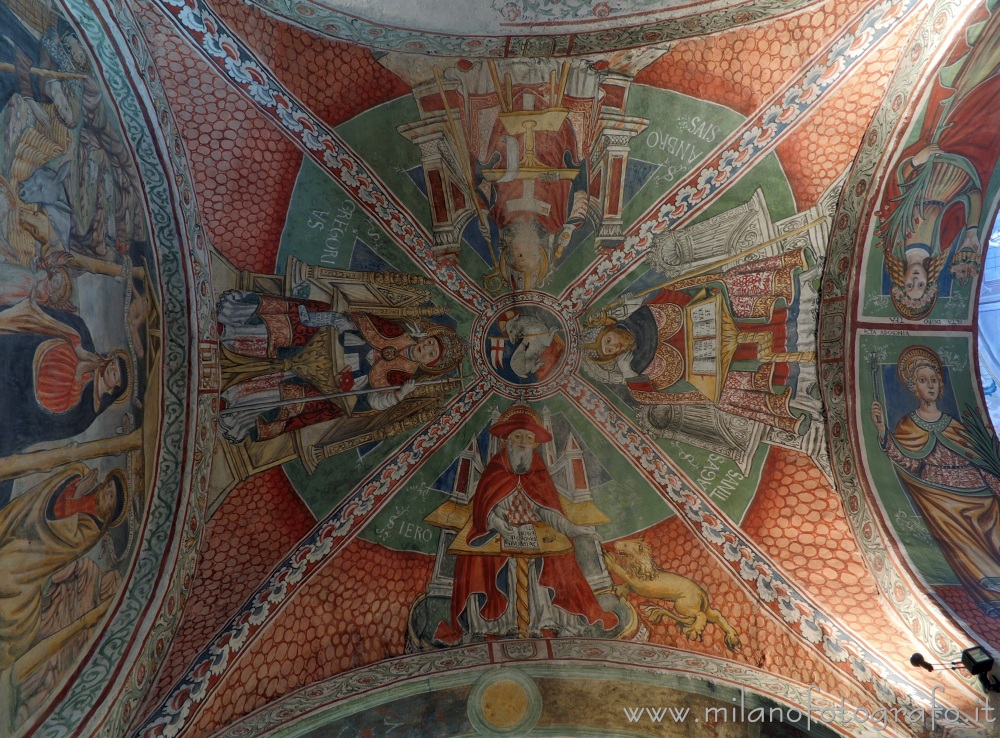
pixel 948 475
pixel 932 229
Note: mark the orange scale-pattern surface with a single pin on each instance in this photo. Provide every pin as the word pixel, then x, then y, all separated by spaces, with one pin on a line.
pixel 258 523
pixel 351 614
pixel 741 68
pixel 764 643
pixel 313 69
pixel 243 167
pixel 798 520
pixel 966 609
pixel 840 123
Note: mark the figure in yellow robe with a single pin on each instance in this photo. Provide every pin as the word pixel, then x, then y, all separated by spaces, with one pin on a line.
pixel 956 498
pixel 48 527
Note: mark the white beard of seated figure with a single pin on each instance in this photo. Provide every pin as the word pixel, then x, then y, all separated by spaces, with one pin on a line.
pixel 520 459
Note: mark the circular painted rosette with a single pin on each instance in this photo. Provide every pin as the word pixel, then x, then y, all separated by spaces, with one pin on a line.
pixel 525 346
pixel 505 702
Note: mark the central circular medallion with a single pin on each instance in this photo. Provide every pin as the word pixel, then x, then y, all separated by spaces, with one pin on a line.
pixel 525 345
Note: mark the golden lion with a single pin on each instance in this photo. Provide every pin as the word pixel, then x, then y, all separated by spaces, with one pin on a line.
pixel 634 565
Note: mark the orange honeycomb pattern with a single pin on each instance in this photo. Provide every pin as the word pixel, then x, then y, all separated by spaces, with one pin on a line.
pixel 763 642
pixel 319 635
pixel 741 68
pixel 243 167
pixel 798 520
pixel 965 607
pixel 313 68
pixel 351 614
pixel 259 522
pixel 839 123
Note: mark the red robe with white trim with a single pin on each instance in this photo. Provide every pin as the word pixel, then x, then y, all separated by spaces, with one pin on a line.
pixel 478 574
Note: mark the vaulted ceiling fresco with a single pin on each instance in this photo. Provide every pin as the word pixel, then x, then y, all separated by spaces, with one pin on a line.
pixel 506 369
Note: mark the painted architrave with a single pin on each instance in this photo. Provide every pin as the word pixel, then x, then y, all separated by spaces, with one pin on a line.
pixel 603 31
pixel 308 708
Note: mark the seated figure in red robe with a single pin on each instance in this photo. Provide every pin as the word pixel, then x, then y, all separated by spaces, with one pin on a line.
pixel 514 490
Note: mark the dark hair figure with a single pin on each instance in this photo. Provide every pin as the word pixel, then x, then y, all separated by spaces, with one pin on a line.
pixel 53 384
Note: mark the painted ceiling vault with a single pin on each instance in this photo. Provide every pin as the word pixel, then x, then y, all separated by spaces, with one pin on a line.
pixel 497 369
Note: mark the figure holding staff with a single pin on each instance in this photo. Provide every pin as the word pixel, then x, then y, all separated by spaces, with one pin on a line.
pixel 290 363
